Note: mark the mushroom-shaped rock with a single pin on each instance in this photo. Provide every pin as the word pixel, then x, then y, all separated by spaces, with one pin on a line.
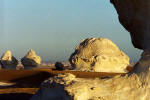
pixel 100 55
pixel 31 60
pixel 8 61
pixel 134 15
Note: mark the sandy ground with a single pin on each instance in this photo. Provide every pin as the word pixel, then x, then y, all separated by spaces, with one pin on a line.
pixel 22 84
pixel 17 93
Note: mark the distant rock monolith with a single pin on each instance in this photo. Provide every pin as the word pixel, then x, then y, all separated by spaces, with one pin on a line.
pixel 99 55
pixel 8 60
pixel 31 60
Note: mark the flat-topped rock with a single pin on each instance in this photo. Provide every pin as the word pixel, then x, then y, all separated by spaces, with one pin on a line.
pixel 99 55
pixel 31 59
pixel 8 60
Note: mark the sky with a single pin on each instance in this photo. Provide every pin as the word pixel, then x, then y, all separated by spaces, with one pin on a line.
pixel 53 28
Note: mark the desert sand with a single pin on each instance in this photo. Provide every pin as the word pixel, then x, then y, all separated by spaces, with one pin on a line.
pixel 22 84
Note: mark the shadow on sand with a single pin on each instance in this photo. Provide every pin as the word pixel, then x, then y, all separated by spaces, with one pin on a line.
pixel 15 96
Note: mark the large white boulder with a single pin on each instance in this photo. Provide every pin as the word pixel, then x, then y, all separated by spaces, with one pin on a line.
pixel 8 60
pixel 31 60
pixel 100 55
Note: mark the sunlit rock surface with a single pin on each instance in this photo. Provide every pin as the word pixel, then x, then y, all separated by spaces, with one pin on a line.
pixel 100 55
pixel 67 87
pixel 134 15
pixel 49 90
pixel 31 60
pixel 8 60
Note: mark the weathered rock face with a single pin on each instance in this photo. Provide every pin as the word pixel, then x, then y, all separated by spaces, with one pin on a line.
pixel 99 54
pixel 31 59
pixel 8 61
pixel 134 15
pixel 54 91
pixel 128 87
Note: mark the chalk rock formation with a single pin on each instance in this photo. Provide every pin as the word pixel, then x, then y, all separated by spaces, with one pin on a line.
pixel 31 59
pixel 134 15
pixel 100 55
pixel 68 87
pixel 8 61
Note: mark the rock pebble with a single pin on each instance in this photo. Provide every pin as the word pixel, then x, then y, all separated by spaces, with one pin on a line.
pixel 59 66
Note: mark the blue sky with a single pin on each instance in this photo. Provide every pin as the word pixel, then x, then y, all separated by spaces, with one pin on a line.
pixel 53 28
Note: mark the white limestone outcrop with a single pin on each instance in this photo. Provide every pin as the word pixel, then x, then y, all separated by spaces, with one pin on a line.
pixel 31 60
pixel 132 86
pixel 8 60
pixel 99 55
